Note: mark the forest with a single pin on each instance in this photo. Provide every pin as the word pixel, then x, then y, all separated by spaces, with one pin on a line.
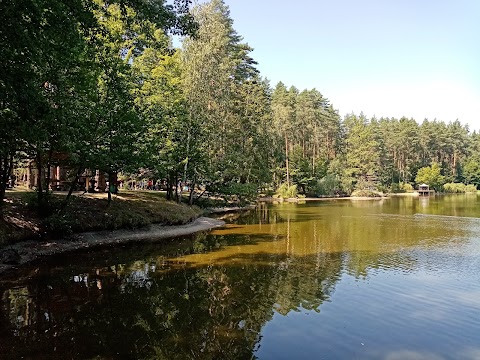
pixel 103 82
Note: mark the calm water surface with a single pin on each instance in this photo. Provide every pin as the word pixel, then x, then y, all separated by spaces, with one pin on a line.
pixel 391 279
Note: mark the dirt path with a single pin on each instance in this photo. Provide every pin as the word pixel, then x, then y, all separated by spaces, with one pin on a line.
pixel 29 251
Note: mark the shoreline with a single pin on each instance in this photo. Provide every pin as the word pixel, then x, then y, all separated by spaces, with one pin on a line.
pixel 226 210
pixel 26 252
pixel 297 200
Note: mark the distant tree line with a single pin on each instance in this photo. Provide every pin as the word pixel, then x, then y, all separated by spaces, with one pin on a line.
pixel 102 82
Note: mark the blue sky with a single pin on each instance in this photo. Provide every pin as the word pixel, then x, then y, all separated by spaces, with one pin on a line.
pixel 414 58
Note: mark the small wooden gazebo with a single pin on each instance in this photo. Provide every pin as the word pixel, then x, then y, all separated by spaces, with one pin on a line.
pixel 423 190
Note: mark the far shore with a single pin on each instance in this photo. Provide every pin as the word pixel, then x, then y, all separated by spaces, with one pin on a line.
pixel 331 198
pixel 297 200
pixel 228 209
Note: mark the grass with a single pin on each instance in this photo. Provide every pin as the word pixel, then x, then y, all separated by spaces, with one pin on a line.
pixel 89 212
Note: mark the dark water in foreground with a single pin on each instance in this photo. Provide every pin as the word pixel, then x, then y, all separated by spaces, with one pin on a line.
pixel 391 279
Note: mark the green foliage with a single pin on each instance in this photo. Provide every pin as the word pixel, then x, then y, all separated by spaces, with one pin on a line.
pixel 31 200
pixel 226 99
pixel 66 76
pixel 459 188
pixel 471 188
pixel 45 206
pixel 228 195
pixel 431 176
pixel 58 225
pixel 366 185
pixel 395 188
pixel 401 187
pixel 301 169
pixel 166 146
pixel 365 193
pixel 243 191
pixel 337 168
pixel 362 156
pixel 216 202
pixel 103 84
pixel 328 185
pixel 307 135
pixel 471 170
pixel 454 188
pixel 365 188
pixel 286 192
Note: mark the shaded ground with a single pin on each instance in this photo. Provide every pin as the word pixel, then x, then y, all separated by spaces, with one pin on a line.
pixel 88 212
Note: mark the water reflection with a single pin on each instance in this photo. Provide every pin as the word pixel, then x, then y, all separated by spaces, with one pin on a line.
pixel 279 282
pixel 133 309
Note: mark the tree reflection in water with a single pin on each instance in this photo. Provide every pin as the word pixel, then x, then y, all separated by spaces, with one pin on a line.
pixel 209 296
pixel 143 309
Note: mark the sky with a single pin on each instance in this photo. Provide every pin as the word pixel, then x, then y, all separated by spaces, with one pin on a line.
pixel 391 58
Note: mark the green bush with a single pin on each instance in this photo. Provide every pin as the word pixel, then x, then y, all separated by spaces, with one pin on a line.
pixel 205 202
pixel 58 225
pixel 395 188
pixel 126 220
pixel 401 187
pixel 328 185
pixel 270 192
pixel 366 193
pixel 454 188
pixel 285 191
pixel 366 185
pixel 48 205
pixel 431 175
pixel 248 191
pixel 459 188
pixel 31 200
pixel 471 188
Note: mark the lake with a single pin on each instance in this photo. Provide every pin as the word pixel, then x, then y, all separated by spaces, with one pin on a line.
pixel 387 279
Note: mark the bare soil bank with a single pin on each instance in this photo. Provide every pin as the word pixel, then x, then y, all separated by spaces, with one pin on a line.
pixel 25 252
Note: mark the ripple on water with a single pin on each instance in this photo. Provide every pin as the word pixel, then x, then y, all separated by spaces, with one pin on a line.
pixel 387 315
pixel 336 281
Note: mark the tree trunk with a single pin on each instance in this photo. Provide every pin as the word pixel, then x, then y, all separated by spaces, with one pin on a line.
pixel 454 170
pixel 3 187
pixel 3 174
pixel 112 181
pixel 177 197
pixel 49 165
pixel 6 167
pixel 72 187
pixel 39 179
pixel 286 159
pixel 199 196
pixel 192 187
pixel 185 168
pixel 190 196
pixel 313 156
pixel 169 187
